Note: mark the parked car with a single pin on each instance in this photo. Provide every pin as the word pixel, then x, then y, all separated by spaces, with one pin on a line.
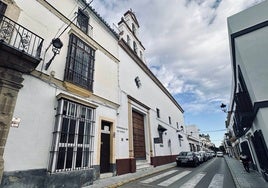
pixel 204 155
pixel 219 154
pixel 211 154
pixel 200 157
pixel 187 158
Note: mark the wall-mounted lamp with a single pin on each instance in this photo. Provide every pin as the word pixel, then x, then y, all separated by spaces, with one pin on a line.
pixel 223 108
pixel 57 45
pixel 138 82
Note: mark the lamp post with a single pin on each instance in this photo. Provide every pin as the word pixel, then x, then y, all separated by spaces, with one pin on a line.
pixel 57 45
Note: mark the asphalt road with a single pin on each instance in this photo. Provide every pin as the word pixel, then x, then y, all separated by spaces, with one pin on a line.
pixel 213 174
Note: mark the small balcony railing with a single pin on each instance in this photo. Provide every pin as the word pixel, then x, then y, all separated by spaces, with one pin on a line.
pixel 20 38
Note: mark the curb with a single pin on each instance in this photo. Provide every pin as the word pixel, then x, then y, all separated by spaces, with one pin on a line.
pixel 120 183
pixel 232 173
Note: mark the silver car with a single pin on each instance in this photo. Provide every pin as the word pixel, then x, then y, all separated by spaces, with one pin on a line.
pixel 187 158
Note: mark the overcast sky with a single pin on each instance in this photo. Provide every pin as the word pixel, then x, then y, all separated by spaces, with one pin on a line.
pixel 187 48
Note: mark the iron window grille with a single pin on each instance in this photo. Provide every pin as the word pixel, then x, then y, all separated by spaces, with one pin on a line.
pixel 79 68
pixel 73 137
pixel 82 21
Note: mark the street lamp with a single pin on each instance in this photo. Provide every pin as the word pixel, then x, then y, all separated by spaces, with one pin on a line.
pixel 223 108
pixel 57 45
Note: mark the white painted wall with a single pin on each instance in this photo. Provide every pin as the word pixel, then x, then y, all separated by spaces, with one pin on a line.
pixel 252 53
pixel 28 146
pixel 152 96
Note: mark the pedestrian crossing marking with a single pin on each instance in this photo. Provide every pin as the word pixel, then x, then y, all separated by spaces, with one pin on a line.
pixel 217 181
pixel 193 181
pixel 174 178
pixel 152 179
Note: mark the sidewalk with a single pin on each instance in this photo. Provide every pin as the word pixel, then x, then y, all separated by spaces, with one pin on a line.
pixel 116 181
pixel 242 178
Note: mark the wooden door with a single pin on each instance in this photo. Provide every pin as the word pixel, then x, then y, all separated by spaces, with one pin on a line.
pixel 138 135
pixel 105 147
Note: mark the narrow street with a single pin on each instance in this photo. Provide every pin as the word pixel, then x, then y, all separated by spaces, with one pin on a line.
pixel 213 174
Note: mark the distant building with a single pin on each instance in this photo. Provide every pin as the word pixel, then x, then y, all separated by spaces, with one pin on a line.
pixel 206 144
pixel 247 120
pixel 193 137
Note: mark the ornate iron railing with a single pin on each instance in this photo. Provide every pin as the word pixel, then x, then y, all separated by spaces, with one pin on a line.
pixel 20 38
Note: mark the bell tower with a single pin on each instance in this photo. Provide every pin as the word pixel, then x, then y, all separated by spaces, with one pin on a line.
pixel 129 32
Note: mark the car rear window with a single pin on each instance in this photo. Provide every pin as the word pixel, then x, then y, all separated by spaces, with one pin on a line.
pixel 183 153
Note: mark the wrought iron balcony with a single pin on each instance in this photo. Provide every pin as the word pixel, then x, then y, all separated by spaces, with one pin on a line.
pixel 18 37
pixel 244 110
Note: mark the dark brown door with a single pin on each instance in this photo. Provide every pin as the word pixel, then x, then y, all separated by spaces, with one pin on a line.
pixel 105 147
pixel 138 135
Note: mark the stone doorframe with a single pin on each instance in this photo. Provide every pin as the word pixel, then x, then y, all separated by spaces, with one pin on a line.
pixel 143 109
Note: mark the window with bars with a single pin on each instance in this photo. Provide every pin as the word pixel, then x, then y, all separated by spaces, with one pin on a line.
pixel 73 137
pixel 79 68
pixel 82 21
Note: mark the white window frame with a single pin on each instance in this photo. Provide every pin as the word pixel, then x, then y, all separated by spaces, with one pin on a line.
pixel 69 111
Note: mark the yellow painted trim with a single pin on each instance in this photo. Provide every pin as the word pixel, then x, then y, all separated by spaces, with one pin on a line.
pixel 149 134
pixel 76 89
pixel 112 139
pixel 130 130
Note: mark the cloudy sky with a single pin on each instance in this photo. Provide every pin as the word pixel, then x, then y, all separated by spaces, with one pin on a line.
pixel 187 48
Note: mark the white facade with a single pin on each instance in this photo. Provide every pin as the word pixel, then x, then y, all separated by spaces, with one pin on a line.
pixel 248 45
pixel 67 119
